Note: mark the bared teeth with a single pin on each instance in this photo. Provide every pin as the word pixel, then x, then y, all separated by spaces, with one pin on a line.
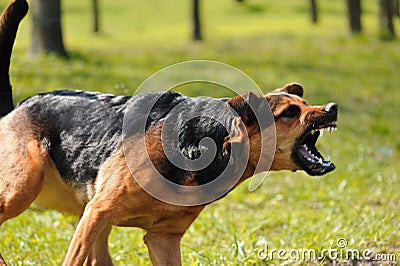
pixel 307 153
pixel 312 158
pixel 330 129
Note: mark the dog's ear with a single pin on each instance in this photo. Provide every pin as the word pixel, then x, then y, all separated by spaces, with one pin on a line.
pixel 291 88
pixel 241 104
pixel 238 137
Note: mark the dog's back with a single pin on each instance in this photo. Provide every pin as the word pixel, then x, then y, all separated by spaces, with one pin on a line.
pixel 81 129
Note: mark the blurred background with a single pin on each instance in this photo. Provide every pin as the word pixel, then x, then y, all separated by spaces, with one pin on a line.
pixel 342 51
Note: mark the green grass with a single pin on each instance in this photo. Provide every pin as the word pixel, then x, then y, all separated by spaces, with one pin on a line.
pixel 274 43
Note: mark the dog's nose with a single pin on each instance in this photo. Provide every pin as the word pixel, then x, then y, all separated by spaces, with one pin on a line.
pixel 331 108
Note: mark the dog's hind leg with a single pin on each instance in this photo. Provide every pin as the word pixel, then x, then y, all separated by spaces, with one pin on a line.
pixel 99 254
pixel 23 163
pixel 21 178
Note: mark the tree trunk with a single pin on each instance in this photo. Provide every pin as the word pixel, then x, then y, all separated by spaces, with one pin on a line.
pixel 396 8
pixel 196 21
pixel 386 19
pixel 46 28
pixel 354 15
pixel 314 11
pixel 95 6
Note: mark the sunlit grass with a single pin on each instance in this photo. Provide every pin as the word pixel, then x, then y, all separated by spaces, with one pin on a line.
pixel 274 43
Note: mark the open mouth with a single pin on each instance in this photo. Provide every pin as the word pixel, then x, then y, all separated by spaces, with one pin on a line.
pixel 307 154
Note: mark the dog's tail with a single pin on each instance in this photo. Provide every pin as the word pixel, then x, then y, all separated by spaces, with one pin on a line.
pixel 9 22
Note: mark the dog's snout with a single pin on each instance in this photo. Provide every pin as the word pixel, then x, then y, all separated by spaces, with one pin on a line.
pixel 331 108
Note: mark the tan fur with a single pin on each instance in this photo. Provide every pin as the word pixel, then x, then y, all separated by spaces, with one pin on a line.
pixel 22 166
pixel 55 192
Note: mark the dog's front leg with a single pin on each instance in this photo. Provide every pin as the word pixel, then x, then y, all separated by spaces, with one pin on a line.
pixel 94 220
pixel 99 254
pixel 164 248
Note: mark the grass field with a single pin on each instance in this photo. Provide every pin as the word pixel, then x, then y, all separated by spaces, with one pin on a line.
pixel 274 43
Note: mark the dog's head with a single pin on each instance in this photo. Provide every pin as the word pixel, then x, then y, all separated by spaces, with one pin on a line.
pixel 298 127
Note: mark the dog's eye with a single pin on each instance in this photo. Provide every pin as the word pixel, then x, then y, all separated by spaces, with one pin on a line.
pixel 291 111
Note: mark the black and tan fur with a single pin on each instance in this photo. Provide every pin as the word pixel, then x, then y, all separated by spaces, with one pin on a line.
pixel 63 150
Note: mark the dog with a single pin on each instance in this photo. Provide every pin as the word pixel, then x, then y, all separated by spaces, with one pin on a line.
pixel 69 151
